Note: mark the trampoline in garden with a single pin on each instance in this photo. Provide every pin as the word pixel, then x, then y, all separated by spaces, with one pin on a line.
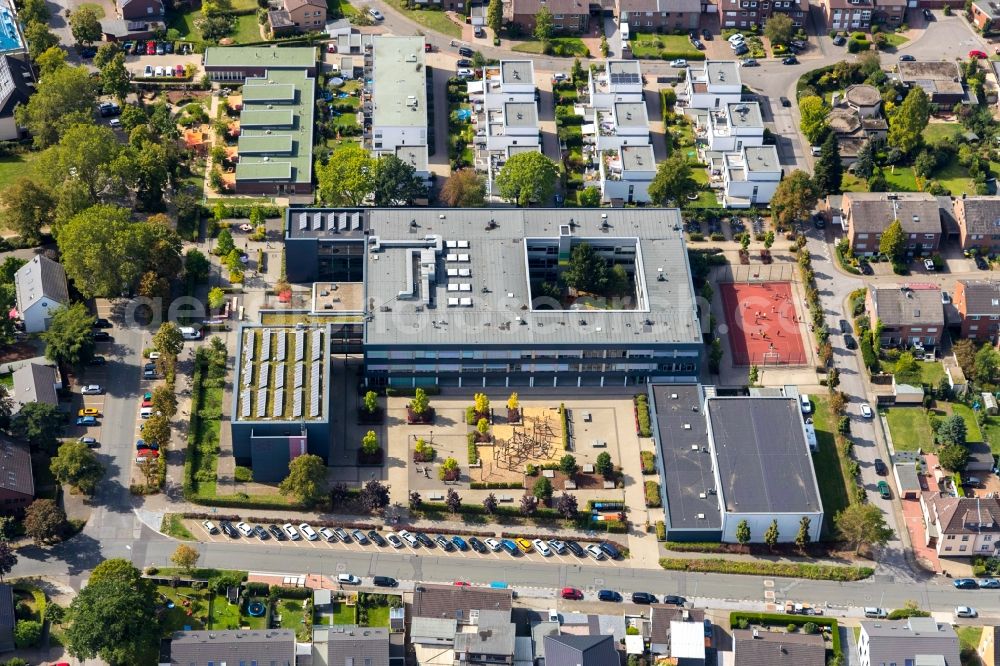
pixel 255 609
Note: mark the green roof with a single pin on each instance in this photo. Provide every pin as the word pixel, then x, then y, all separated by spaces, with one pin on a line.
pixel 284 92
pixel 260 170
pixel 263 117
pixel 251 56
pixel 270 144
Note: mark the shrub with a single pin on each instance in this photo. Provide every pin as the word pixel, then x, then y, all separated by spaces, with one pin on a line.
pixel 648 462
pixel 243 474
pixel 473 449
pixel 652 494
pixel 27 633
pixel 661 531
pixel 564 418
pixel 791 627
pixel 759 568
pixel 642 414
pixel 809 628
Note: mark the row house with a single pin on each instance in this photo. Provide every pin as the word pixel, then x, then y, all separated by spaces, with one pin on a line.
pixel 750 13
pixel 978 220
pixel 660 15
pixel 868 214
pixel 978 304
pixel 911 314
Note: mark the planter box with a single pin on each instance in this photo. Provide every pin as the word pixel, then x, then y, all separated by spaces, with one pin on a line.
pixel 425 418
pixel 371 418
pixel 371 461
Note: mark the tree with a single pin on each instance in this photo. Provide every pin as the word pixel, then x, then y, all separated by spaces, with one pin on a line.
pixel 965 354
pixel 101 251
pixel 494 16
pixel 8 558
pixel 347 178
pixel 157 430
pixel 490 504
pixel 464 188
pixel 527 178
pixel 40 39
pixel 116 569
pixel 529 504
pixel 542 489
pixel 37 422
pixel 586 270
pixel 185 557
pixel 543 25
pixel 68 340
pixel 952 430
pixel 396 182
pixel 567 507
pixel 813 124
pixel 27 633
pixel 374 496
pixel 448 470
pixel 512 403
pixel 794 197
pixel 77 465
pixel 779 29
pixel 483 427
pixel 864 165
pixel 9 267
pixel 165 401
pixel 829 169
pixel 369 444
pixel 32 11
pixel 196 266
pixel 906 365
pixel 743 532
pixel 105 52
pixel 589 197
pixel 953 457
pixel 986 365
pixel 908 121
pixel 224 243
pixel 567 465
pixel 114 620
pixel 803 538
pixel 371 402
pixel 44 521
pixel 115 78
pixel 771 535
pixel 414 500
pixel 603 465
pixel 863 524
pixel 453 501
pixel 54 613
pixel 673 181
pixel 85 25
pixel 216 298
pixel 27 207
pixel 481 403
pixel 306 480
pixel 420 402
pixel 168 339
pixel 893 241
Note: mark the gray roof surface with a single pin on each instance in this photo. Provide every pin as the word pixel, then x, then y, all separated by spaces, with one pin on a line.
pixel 688 470
pixel 455 601
pixel 872 212
pixel 631 114
pixel 199 648
pixel 981 215
pixel 580 651
pixel 345 643
pixel 437 628
pixel 661 615
pixel 399 80
pixel 517 72
pixel 745 114
pixel 722 72
pixel 932 76
pixel 638 158
pixel 778 649
pixel 903 306
pixel 415 156
pixel 763 458
pixel 982 297
pixel 242 57
pixel 897 641
pixel 16 474
pixel 497 262
pixel 35 382
pixel 493 634
pixel 520 114
pixel 593 623
pixel 324 223
pixel 761 158
pixel 40 278
pixel 626 68
pixel 862 94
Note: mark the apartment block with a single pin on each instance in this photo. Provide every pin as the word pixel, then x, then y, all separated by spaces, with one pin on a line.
pixel 712 84
pixel 397 107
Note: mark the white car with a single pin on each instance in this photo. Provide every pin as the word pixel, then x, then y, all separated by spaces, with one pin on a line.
pixel 595 551
pixel 409 538
pixel 244 529
pixel 154 355
pixel 309 532
pixel 210 527
pixel 493 544
pixel 159 71
pixel 736 39
pixel 393 540
pixel 327 534
pixel 680 62
pixel 866 411
pixel 465 73
pixel 558 546
pixel 929 264
pixel 965 611
pixel 542 547
pixel 292 533
pixel 348 579
pixel 376 14
pixel 92 389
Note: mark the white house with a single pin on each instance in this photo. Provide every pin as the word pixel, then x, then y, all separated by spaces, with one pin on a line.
pixel 625 174
pixel 40 287
pixel 750 176
pixel 16 86
pixel 617 81
pixel 712 84
pixel 624 124
pixel 399 95
pixel 734 126
pixel 509 114
pixel 917 640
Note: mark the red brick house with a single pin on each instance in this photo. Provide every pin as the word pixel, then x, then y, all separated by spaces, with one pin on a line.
pixel 978 220
pixel 568 16
pixel 868 214
pixel 747 13
pixel 139 10
pixel 17 484
pixel 985 14
pixel 978 302
pixel 910 314
pixel 660 15
pixel 848 14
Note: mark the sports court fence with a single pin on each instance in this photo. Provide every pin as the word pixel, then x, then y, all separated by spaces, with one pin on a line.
pixel 762 359
pixel 753 273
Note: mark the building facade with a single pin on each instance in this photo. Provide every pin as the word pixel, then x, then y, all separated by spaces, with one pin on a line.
pixel 911 314
pixel 749 13
pixel 978 221
pixel 40 287
pixel 866 216
pixel 978 303
pixel 659 15
pixel 961 526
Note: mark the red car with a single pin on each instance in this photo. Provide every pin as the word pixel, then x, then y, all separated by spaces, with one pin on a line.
pixel 461 583
pixel 571 593
pixel 150 48
pixel 977 54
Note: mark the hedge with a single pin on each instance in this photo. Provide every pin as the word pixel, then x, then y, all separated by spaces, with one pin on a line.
pixel 695 546
pixel 406 391
pixel 291 592
pixel 652 494
pixel 496 485
pixel 783 620
pixel 758 568
pixel 257 589
pixel 614 526
pixel 478 510
pixel 473 449
pixel 661 531
pixel 564 417
pixel 648 462
pixel 642 413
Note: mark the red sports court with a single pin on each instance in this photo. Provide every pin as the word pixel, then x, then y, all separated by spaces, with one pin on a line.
pixel 763 323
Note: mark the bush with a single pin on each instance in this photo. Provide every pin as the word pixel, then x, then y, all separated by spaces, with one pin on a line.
pixel 695 546
pixel 809 628
pixel 243 474
pixel 473 449
pixel 27 633
pixel 642 415
pixel 791 627
pixel 648 462
pixel 564 418
pixel 661 531
pixel 759 568
pixel 652 494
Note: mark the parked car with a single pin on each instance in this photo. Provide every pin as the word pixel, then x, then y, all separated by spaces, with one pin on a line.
pixel 309 532
pixel 493 544
pixel 150 48
pixel 424 539
pixel 845 326
pixel 697 44
pixel 674 599
pixel 244 529
pixel 965 611
pixel 875 613
pixel 228 529
pixel 609 595
pixel 464 73
pixel 384 581
pixel 444 543
pixel 459 543
pixel 706 35
pixel 376 538
pixel 929 264
pixel 610 550
pixel 510 546
pixel 342 534
pixel 478 32
pixel 750 62
pixel 839 40
pixel 558 546
pixel 292 533
pixel 465 52
pixel 880 467
pixel 101 336
pixel 966 584
pixel 90 442
pixel 738 37
pixel 785 102
pixel 643 598
pixel 741 49
pixel 376 14
pixel 680 62
pixel 161 48
pixel 327 534
pixel 928 15
pixel 261 533
pixel 850 342
pixel 86 421
pixel 790 60
pixel 978 55
pixel 576 548
pixel 571 593
pixel 348 579
pixel 463 62
pixel 210 527
pixel 360 537
pixel 394 540
pixel 92 389
pixel 595 552
pixel 906 57
pixel 798 44
pixel 883 490
pixel 409 538
pixel 277 533
pixel 866 411
pixel 524 544
pixel 982 264
pixel 989 583
pixel 477 545
pixel 542 547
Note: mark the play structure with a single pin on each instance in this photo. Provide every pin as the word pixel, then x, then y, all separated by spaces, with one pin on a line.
pixel 256 609
pixel 524 443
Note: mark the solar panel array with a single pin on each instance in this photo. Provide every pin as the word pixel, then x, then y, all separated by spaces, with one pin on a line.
pixel 245 403
pixel 299 372
pixel 263 375
pixel 297 404
pixel 257 404
pixel 625 78
pixel 247 373
pixel 281 346
pixel 278 406
pixel 314 397
pixel 262 402
pixel 317 344
pixel 300 345
pixel 279 379
pixel 265 347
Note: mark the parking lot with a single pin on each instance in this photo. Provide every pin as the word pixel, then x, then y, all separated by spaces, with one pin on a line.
pixel 196 528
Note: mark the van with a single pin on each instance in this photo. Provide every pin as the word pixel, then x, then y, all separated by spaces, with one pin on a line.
pixel 876 613
pixel 623 29
pixel 189 333
pixel 145 412
pixel 609 550
pixel 804 404
pixel 348 579
pixel 384 581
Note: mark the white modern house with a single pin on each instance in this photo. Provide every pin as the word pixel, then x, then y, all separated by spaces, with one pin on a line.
pixel 617 81
pixel 712 84
pixel 734 126
pixel 749 176
pixel 625 174
pixel 398 74
pixel 624 124
pixel 40 287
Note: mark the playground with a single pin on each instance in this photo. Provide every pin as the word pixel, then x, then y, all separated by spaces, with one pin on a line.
pixel 764 326
pixel 537 440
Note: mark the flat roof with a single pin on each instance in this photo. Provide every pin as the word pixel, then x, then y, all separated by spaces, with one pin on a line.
pixel 284 118
pixel 415 156
pixel 243 57
pixel 624 72
pixel 517 72
pixel 520 114
pixel 744 114
pixel 762 158
pixel 495 262
pixel 399 84
pixel 260 170
pixel 291 142
pixel 631 114
pixel 638 158
pixel 687 462
pixel 268 144
pixel 723 72
pixel 763 458
pixel 324 223
pixel 258 92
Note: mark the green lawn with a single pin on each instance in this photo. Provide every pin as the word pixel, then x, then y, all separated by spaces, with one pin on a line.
pixel 7 379
pixel 705 199
pixel 13 166
pixel 901 179
pixel 183 24
pixel 98 10
pixel 934 132
pixel 564 47
pixel 343 8
pixel 851 183
pixel 176 618
pixel 929 373
pixel 991 432
pixel 955 177
pixel 292 614
pixel 344 614
pixel 832 479
pixel 974 434
pixel 430 18
pixel 909 428
pixel 968 637
pixel 247 30
pixel 648 45
pixel 894 40
pixel 173 525
pixel 378 616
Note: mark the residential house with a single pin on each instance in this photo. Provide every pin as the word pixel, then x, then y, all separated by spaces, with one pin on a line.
pixel 848 14
pixel 488 642
pixel 661 620
pixel 461 603
pixel 988 648
pixel 204 648
pixel 729 129
pixel 890 13
pixel 614 81
pixel 433 640
pixel 852 130
pixel 580 651
pixel 37 382
pixel 917 640
pixel 7 618
pixel 139 10
pixel 17 488
pixel 978 220
pixel 663 16
pixel 40 287
pixel 17 83
pixel 341 644
pixel 583 624
pixel 398 108
pixel 985 14
pixel 978 304
pixel 749 13
pixel 961 526
pixel 625 174
pixel 864 98
pixel 868 214
pixel 306 15
pixel 910 314
pixel 687 643
pixel 766 648
pixel 712 84
pixel 750 176
pixel 568 16
pixel 941 80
